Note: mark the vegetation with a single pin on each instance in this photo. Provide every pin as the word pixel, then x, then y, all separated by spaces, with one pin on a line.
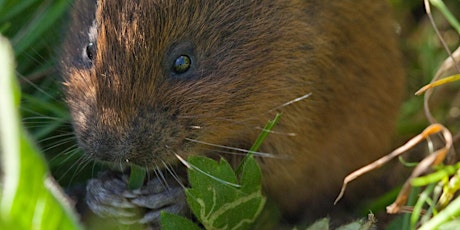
pixel 34 29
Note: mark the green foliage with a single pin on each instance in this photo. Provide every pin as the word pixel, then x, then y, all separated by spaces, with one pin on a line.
pixel 172 222
pixel 33 26
pixel 438 205
pixel 324 224
pixel 224 203
pixel 29 198
pixel 441 6
pixel 136 177
pixel 221 198
pixel 27 22
pixel 218 198
pixel 34 29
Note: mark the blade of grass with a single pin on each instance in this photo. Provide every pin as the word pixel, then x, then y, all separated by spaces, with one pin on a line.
pixel 440 82
pixel 42 21
pixel 446 12
pixel 10 9
pixel 260 139
pixel 136 177
pixel 449 213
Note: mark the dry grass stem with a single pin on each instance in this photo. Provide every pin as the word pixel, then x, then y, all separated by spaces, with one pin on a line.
pixel 424 166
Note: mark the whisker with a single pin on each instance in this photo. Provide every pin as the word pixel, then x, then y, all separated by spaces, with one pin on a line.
pixel 148 175
pixel 43 118
pixel 291 102
pixel 228 152
pixel 37 114
pixel 37 88
pixel 81 164
pixel 147 170
pixel 157 175
pixel 34 77
pixel 161 175
pixel 224 152
pixel 61 142
pixel 193 167
pixel 174 175
pixel 269 111
pixel 121 166
pixel 69 152
pixel 76 167
pixel 40 124
pixel 276 132
pixel 242 122
pixel 68 135
pixel 93 169
pixel 259 154
pixel 46 125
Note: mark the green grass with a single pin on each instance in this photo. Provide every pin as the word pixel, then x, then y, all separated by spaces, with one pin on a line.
pixel 35 29
pixel 29 197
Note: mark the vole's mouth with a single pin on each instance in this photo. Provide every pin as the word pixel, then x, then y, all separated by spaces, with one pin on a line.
pixel 145 159
pixel 122 163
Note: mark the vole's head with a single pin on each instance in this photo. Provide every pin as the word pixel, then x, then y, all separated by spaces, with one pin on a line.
pixel 143 78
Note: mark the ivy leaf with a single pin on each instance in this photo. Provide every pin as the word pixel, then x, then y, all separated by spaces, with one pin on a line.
pixel 322 224
pixel 218 200
pixel 251 176
pixel 221 198
pixel 172 222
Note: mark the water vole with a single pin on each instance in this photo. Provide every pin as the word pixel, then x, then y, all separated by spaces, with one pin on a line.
pixel 148 79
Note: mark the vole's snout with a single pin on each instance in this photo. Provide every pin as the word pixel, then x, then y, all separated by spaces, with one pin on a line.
pixel 145 138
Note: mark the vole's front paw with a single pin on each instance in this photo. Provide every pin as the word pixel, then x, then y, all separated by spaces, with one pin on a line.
pixel 109 197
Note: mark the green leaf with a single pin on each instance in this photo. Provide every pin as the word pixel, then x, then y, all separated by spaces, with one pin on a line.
pixel 251 176
pixel 29 197
pixel 136 177
pixel 172 222
pixel 221 198
pixel 443 172
pixel 216 201
pixel 322 224
pixel 450 212
pixel 41 21
pixel 260 139
pixel 451 225
pixel 358 225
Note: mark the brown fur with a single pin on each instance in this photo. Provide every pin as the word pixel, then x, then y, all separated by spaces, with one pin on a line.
pixel 250 57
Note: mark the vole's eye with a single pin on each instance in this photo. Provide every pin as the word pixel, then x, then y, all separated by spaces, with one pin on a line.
pixel 182 64
pixel 90 51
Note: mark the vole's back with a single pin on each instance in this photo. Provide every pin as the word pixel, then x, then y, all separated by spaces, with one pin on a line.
pixel 146 79
pixel 356 79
